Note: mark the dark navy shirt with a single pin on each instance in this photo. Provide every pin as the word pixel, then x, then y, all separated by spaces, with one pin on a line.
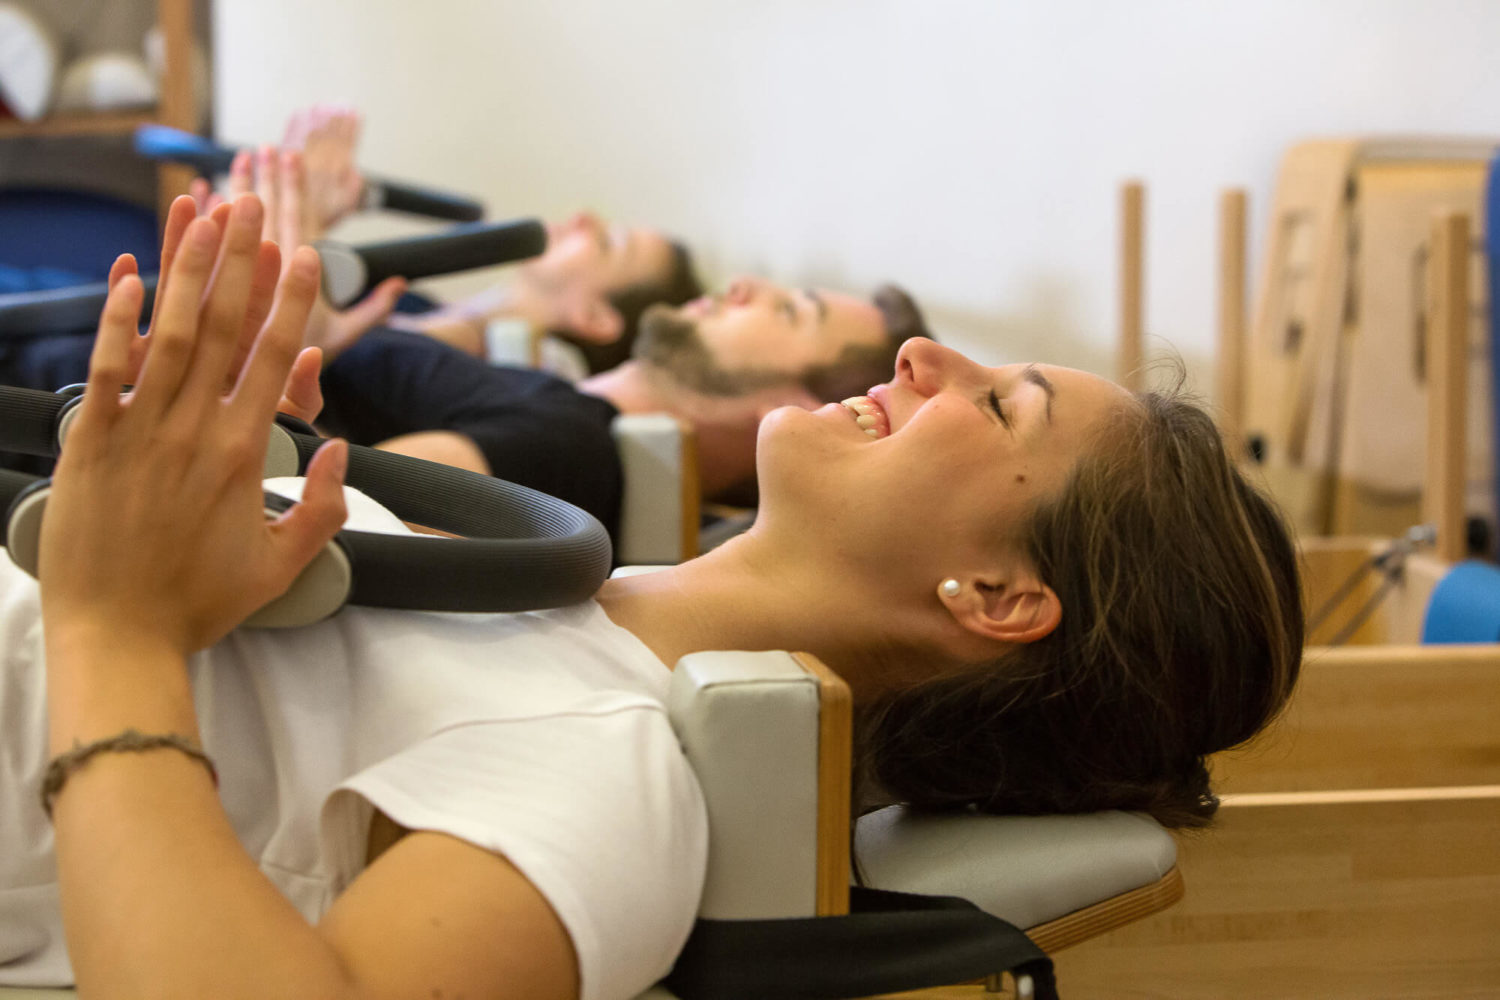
pixel 533 428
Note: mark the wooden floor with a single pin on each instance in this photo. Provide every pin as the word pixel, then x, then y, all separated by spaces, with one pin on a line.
pixel 1395 896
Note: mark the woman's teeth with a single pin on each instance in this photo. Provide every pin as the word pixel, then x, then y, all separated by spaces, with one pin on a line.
pixel 870 417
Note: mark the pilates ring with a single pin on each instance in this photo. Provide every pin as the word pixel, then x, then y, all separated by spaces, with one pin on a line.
pixel 522 550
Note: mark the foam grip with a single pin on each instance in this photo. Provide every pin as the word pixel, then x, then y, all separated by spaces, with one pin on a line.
pixel 158 142
pixel 434 204
pixel 349 272
pixel 29 419
pixel 33 422
pixel 74 309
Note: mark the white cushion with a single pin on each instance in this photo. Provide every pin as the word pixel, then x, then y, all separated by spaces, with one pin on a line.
pixel 29 58
pixel 106 81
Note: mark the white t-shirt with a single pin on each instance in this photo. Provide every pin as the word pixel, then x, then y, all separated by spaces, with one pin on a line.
pixel 542 736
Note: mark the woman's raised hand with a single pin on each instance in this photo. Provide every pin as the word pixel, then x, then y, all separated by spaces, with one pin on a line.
pixel 302 396
pixel 156 532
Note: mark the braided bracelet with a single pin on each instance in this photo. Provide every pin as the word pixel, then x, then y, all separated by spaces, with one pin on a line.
pixel 65 765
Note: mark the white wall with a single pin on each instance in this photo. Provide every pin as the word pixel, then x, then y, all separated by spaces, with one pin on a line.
pixel 970 149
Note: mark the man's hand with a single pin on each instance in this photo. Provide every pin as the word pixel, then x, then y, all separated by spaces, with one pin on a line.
pixel 327 135
pixel 279 178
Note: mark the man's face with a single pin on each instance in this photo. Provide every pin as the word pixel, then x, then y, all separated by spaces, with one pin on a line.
pixel 756 335
pixel 587 257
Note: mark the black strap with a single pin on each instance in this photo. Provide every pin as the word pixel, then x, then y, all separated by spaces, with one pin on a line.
pixel 890 941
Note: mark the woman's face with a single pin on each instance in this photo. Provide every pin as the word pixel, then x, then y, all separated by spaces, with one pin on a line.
pixel 959 453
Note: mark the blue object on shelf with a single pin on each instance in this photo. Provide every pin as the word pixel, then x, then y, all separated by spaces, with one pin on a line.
pixel 1465 605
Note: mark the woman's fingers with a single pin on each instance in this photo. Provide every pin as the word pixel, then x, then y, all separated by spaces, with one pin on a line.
pixel 179 216
pixel 241 174
pixel 123 265
pixel 268 186
pixel 263 281
pixel 302 396
pixel 175 319
pixel 110 363
pixel 292 224
pixel 271 358
pixel 222 316
pixel 300 533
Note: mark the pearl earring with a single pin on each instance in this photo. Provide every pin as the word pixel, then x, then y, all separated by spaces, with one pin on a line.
pixel 951 587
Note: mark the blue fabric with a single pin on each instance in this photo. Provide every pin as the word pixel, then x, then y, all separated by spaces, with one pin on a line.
pixel 1492 264
pixel 53 233
pixel 1465 605
pixel 37 279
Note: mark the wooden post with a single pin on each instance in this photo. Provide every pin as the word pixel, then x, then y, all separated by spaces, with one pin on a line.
pixel 175 107
pixel 1132 280
pixel 1447 382
pixel 835 785
pixel 1232 326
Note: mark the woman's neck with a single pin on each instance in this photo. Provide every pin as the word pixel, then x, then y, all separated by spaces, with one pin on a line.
pixel 739 596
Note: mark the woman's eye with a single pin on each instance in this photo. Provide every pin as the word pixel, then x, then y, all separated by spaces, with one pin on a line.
pixel 999 410
pixel 789 310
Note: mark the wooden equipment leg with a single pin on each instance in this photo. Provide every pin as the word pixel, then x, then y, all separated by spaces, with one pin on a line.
pixel 1231 368
pixel 1447 383
pixel 1132 281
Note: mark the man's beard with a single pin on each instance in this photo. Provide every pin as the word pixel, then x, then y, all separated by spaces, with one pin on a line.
pixel 668 342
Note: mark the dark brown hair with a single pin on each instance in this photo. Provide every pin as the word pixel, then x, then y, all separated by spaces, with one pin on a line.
pixel 1181 635
pixel 859 366
pixel 676 286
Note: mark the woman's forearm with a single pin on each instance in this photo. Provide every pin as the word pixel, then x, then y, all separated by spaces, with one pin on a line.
pixel 159 899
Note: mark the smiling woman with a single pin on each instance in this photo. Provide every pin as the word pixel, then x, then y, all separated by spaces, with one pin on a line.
pixel 1048 594
pixel 1044 593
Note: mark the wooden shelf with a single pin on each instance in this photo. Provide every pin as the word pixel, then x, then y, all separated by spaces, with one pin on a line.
pixel 100 123
pixel 175 105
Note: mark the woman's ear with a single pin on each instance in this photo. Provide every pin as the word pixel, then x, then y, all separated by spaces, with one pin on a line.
pixel 1012 608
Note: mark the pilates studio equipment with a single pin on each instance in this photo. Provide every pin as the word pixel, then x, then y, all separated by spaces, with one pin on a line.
pixel 1336 371
pixel 1385 742
pixel 158 142
pixel 348 272
pixel 521 549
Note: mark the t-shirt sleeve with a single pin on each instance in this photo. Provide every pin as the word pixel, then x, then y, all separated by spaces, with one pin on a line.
pixel 599 811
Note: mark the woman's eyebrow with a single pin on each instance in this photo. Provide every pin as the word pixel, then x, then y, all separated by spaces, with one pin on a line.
pixel 1033 374
pixel 817 301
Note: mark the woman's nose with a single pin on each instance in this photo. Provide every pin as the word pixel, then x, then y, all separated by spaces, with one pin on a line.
pixel 928 365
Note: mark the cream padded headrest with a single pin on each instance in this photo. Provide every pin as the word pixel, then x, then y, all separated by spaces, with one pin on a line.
pixel 1025 869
